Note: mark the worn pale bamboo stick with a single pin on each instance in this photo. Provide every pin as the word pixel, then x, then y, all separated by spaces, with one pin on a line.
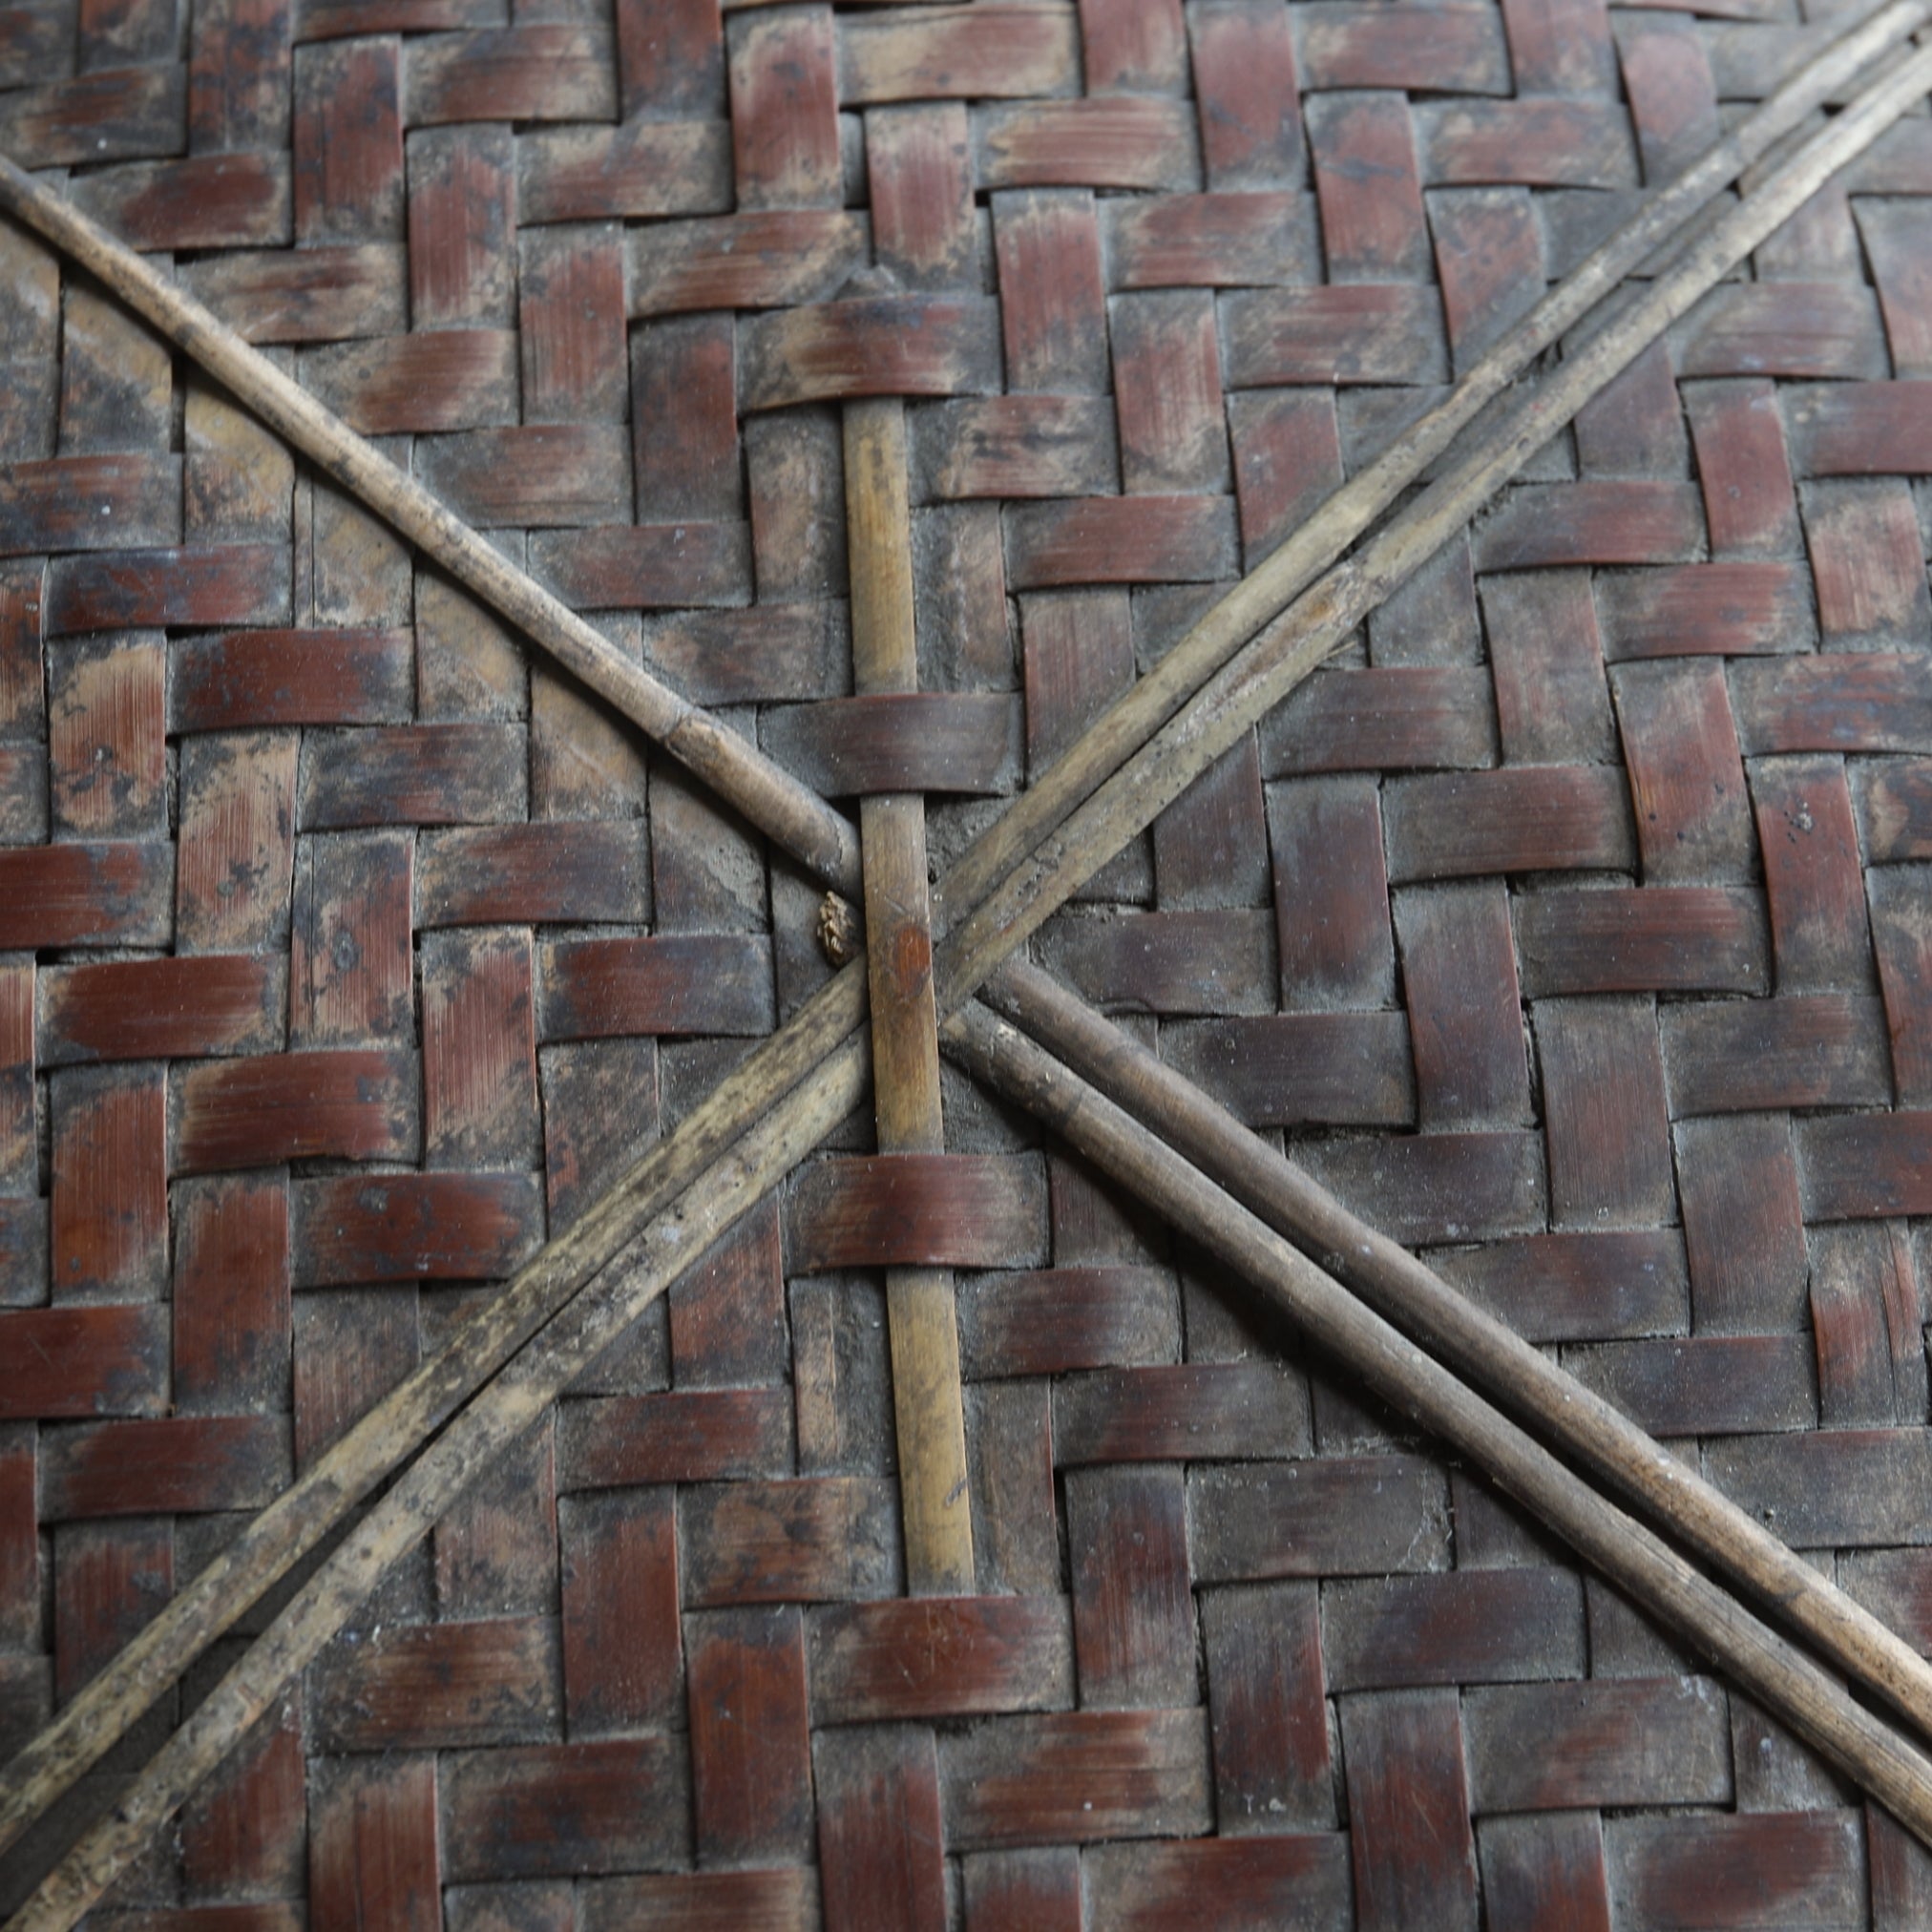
pixel 794 816
pixel 922 1327
pixel 303 1517
pixel 726 1188
pixel 404 1447
pixel 1267 590
pixel 1408 1292
pixel 1815 1706
pixel 1257 678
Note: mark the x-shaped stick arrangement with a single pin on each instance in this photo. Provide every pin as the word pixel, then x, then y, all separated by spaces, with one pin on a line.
pixel 944 972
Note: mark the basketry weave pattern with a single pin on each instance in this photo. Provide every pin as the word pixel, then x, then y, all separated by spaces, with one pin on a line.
pixel 1575 927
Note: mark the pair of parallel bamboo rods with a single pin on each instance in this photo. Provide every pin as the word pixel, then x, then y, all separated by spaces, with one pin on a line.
pixel 800 826
pixel 1812 1703
pixel 1154 1095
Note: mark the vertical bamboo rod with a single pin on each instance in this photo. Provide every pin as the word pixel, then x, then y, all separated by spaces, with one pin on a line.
pixel 929 1404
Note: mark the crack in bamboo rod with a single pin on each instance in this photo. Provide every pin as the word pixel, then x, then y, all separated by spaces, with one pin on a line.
pixel 1869 27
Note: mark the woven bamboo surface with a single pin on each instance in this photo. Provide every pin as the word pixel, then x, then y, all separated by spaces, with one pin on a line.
pixel 1575 927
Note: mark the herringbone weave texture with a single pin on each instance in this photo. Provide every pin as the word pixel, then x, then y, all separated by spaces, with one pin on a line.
pixel 1575 927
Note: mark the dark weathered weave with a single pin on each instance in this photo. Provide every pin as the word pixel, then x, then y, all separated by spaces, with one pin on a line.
pixel 1577 928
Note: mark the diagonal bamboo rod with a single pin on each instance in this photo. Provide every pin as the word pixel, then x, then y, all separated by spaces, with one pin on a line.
pixel 302 1518
pixel 1262 674
pixel 790 814
pixel 712 1201
pixel 1268 589
pixel 1815 1706
pixel 1404 1290
pixel 403 1447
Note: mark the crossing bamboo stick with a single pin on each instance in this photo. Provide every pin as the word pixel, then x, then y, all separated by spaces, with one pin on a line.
pixel 1265 592
pixel 1816 1704
pixel 922 1326
pixel 790 814
pixel 726 771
